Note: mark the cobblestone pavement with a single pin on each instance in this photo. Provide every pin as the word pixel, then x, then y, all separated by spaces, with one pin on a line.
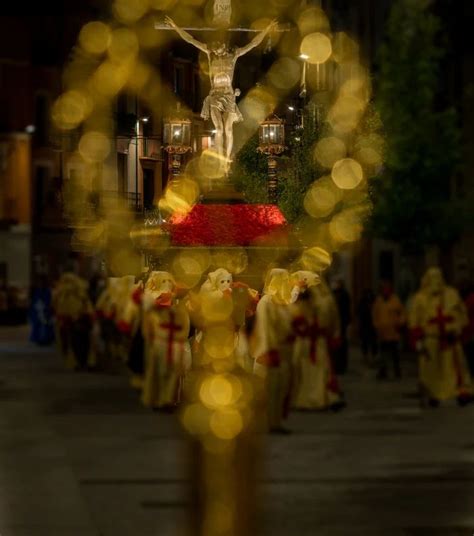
pixel 79 456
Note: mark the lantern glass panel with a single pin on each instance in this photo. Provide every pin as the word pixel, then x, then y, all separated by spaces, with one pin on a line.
pixel 177 134
pixel 186 127
pixel 281 136
pixel 166 133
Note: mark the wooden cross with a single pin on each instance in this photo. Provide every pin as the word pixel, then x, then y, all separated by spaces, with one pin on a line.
pixel 162 26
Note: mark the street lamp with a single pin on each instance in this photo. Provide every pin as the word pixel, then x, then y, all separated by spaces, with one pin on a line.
pixel 272 143
pixel 177 141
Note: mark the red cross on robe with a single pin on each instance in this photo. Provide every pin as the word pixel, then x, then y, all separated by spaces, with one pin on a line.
pixel 171 327
pixel 441 321
pixel 302 328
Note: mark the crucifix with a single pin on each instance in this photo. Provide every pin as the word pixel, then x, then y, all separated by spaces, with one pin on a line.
pixel 220 105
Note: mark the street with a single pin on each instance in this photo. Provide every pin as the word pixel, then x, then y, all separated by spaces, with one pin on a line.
pixel 80 456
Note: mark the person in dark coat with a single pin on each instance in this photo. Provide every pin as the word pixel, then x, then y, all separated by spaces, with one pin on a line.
pixel 367 334
pixel 468 333
pixel 41 314
pixel 343 300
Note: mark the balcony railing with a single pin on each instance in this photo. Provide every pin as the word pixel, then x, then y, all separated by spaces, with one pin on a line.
pixel 133 199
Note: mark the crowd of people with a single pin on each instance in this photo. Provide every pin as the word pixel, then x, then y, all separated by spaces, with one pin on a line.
pixel 294 334
pixel 289 335
pixel 437 325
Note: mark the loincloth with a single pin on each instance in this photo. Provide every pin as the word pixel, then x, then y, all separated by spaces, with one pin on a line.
pixel 224 103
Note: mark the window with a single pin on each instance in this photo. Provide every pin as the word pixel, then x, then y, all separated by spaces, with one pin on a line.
pixel 42 175
pixel 148 188
pixel 197 102
pixel 122 165
pixel 42 108
pixel 179 80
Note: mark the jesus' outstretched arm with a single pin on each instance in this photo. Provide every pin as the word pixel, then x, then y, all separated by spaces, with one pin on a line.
pixel 186 36
pixel 256 40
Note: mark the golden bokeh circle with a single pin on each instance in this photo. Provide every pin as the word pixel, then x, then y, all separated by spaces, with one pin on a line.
pixel 320 200
pixel 94 146
pixel 316 47
pixel 347 174
pixel 329 150
pixel 226 424
pixel 95 37
pixel 219 342
pixel 316 259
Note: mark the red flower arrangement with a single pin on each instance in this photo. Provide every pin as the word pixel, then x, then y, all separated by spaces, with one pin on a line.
pixel 225 225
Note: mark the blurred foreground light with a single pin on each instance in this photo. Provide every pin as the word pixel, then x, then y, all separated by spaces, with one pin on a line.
pixel 219 342
pixel 188 267
pixel 110 78
pixel 95 37
pixel 235 261
pixel 313 20
pixel 219 519
pixel 316 259
pixel 94 147
pixel 345 49
pixel 316 47
pixel 195 419
pixel 226 424
pixel 346 226
pixel 347 174
pixel 216 309
pixel 220 391
pixel 320 200
pixel 212 165
pixel 256 106
pixel 129 11
pixel 182 195
pixel 70 109
pixel 329 150
pixel 284 73
pixel 163 5
pixel 369 157
pixel 346 113
pixel 123 46
pixel 357 85
pixel 30 129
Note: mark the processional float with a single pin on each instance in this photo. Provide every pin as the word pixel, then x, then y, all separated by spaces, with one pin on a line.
pixel 223 407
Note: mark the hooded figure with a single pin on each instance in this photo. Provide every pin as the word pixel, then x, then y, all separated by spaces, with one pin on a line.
pixel 305 279
pixel 165 332
pixel 106 312
pixel 218 282
pixel 436 319
pixel 129 323
pixel 316 332
pixel 220 312
pixel 271 345
pixel 40 314
pixel 123 289
pixel 388 316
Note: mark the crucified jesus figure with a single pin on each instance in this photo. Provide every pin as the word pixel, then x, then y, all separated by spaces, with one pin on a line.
pixel 220 104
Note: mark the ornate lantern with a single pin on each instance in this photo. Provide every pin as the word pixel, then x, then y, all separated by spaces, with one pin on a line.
pixel 177 141
pixel 272 143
